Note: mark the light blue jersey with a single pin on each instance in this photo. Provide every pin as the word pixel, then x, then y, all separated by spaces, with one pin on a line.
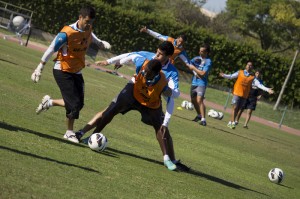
pixel 203 65
pixel 168 69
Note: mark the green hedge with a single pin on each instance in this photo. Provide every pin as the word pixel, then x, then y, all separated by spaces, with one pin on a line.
pixel 121 28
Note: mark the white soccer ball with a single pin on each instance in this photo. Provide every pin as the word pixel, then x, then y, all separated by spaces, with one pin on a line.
pixel 184 103
pixel 97 142
pixel 18 21
pixel 276 175
pixel 212 113
pixel 189 106
pixel 221 115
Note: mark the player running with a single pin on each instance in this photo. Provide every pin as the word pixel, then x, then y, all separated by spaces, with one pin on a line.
pixel 71 44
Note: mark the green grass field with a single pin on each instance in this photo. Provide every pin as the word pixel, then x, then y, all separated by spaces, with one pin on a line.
pixel 36 162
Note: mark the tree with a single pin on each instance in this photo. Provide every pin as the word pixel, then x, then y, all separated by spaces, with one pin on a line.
pixel 188 12
pixel 251 18
pixel 287 16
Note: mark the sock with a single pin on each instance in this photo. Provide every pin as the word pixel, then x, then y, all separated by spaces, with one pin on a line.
pixel 175 161
pixel 50 103
pixel 203 119
pixel 69 131
pixel 166 157
pixel 80 132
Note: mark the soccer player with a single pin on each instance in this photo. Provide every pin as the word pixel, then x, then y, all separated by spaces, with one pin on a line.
pixel 241 90
pixel 254 95
pixel 200 66
pixel 71 44
pixel 164 51
pixel 178 44
pixel 163 54
pixel 142 93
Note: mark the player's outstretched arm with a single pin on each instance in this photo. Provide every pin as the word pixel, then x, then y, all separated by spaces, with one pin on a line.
pixel 229 76
pixel 143 29
pixel 154 34
pixel 100 43
pixel 101 63
pixel 271 91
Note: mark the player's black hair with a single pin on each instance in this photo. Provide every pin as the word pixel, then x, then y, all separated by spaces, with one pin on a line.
pixel 154 65
pixel 206 46
pixel 184 37
pixel 88 11
pixel 167 47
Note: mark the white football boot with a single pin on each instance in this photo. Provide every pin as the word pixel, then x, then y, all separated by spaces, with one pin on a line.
pixel 71 136
pixel 44 106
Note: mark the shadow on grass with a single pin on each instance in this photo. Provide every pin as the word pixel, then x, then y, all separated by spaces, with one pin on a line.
pixel 225 131
pixel 192 172
pixel 8 61
pixel 182 118
pixel 106 152
pixel 10 127
pixel 134 155
pixel 285 186
pixel 47 159
pixel 221 181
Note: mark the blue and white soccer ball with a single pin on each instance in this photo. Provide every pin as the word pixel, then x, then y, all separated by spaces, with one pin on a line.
pixel 184 103
pixel 98 142
pixel 276 175
pixel 215 114
pixel 221 115
pixel 212 113
pixel 189 106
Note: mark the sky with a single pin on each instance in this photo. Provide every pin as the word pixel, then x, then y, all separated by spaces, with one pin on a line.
pixel 215 5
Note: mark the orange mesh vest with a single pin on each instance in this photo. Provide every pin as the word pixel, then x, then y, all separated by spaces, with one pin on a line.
pixel 148 96
pixel 242 85
pixel 177 50
pixel 78 43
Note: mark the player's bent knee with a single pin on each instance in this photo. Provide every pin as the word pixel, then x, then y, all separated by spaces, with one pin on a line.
pixel 74 114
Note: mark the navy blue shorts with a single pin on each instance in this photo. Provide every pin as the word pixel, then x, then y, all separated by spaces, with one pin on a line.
pixel 250 103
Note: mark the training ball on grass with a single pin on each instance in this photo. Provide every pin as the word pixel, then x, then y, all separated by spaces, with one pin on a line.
pixel 212 113
pixel 184 103
pixel 221 115
pixel 276 175
pixel 18 21
pixel 189 106
pixel 97 142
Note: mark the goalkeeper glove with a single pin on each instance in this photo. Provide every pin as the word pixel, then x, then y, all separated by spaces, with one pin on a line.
pixel 106 45
pixel 36 75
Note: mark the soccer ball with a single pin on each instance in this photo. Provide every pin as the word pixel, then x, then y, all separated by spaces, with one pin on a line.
pixel 189 106
pixel 97 142
pixel 221 115
pixel 215 114
pixel 212 113
pixel 276 175
pixel 18 21
pixel 184 103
